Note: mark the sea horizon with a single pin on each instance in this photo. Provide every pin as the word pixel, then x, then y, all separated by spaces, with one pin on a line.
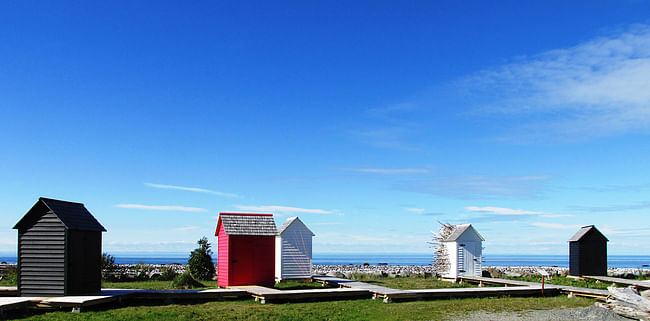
pixel 419 259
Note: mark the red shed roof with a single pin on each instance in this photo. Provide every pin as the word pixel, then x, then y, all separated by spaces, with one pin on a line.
pixel 246 224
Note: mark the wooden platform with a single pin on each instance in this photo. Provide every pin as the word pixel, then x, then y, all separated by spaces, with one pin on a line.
pixel 570 290
pixel 454 293
pixel 390 294
pixel 377 289
pixel 12 303
pixel 8 291
pixel 484 280
pixel 619 281
pixel 78 303
pixel 266 295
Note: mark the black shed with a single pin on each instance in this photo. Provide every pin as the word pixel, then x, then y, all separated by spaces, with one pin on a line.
pixel 588 252
pixel 59 250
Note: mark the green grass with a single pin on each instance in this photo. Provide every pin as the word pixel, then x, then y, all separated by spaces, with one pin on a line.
pixel 331 310
pixel 408 283
pixel 150 285
pixel 563 280
pixel 298 285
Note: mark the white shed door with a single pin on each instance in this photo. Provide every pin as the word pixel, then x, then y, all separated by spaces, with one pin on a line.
pixel 471 254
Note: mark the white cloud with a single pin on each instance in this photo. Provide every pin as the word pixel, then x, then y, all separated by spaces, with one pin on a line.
pixel 596 88
pixel 192 189
pixel 500 210
pixel 281 209
pixel 389 171
pixel 187 228
pixel 162 208
pixel 415 210
pixel 468 187
pixel 556 226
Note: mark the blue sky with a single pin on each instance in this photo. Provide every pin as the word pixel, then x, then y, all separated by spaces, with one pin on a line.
pixel 371 121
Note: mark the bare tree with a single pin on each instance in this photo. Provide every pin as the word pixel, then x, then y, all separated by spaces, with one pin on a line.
pixel 440 256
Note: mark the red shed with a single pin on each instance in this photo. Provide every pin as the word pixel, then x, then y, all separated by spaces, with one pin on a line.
pixel 246 249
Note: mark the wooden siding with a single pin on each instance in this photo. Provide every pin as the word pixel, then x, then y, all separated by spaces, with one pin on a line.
pixel 296 253
pixel 222 259
pixel 41 252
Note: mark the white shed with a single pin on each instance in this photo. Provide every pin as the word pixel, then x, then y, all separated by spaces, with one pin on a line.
pixel 293 250
pixel 464 248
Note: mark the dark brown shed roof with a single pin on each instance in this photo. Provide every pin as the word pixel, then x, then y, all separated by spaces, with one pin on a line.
pixel 74 216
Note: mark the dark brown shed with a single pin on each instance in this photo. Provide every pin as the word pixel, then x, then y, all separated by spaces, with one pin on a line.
pixel 59 250
pixel 588 252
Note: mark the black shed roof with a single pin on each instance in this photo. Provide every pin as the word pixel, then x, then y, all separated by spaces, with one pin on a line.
pixel 583 231
pixel 74 216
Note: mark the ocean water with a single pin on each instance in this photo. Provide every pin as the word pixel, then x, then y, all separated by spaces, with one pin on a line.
pixel 614 261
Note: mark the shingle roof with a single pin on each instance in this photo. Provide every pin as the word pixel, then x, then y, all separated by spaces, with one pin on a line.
pixel 293 220
pixel 247 224
pixel 583 231
pixel 459 230
pixel 74 216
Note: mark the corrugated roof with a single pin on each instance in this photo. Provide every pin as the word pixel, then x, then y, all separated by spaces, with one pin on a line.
pixel 247 224
pixel 74 216
pixel 290 221
pixel 459 230
pixel 583 231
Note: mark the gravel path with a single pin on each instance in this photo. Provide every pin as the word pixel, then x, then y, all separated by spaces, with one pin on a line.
pixel 591 313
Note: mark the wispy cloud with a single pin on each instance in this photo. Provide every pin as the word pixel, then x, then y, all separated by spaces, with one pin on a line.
pixel 415 210
pixel 470 187
pixel 597 88
pixel 398 137
pixel 187 228
pixel 192 189
pixel 556 226
pixel 612 208
pixel 281 209
pixel 388 171
pixel 500 210
pixel 162 208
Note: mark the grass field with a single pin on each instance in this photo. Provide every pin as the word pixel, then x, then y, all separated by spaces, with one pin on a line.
pixel 408 283
pixel 332 310
pixel 563 280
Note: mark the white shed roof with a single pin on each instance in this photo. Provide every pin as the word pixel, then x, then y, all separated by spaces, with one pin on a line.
pixel 460 230
pixel 291 221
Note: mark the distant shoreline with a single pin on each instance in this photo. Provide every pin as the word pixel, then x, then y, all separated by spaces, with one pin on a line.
pixel 391 259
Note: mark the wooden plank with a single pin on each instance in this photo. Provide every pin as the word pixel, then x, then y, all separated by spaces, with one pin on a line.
pixel 382 290
pixel 16 303
pixel 613 280
pixel 571 290
pixel 485 280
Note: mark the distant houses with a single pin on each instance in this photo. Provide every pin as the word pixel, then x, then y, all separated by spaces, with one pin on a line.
pixel 588 252
pixel 293 250
pixel 464 247
pixel 59 250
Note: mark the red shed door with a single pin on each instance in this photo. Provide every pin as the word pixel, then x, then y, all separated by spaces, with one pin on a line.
pixel 252 260
pixel 242 271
